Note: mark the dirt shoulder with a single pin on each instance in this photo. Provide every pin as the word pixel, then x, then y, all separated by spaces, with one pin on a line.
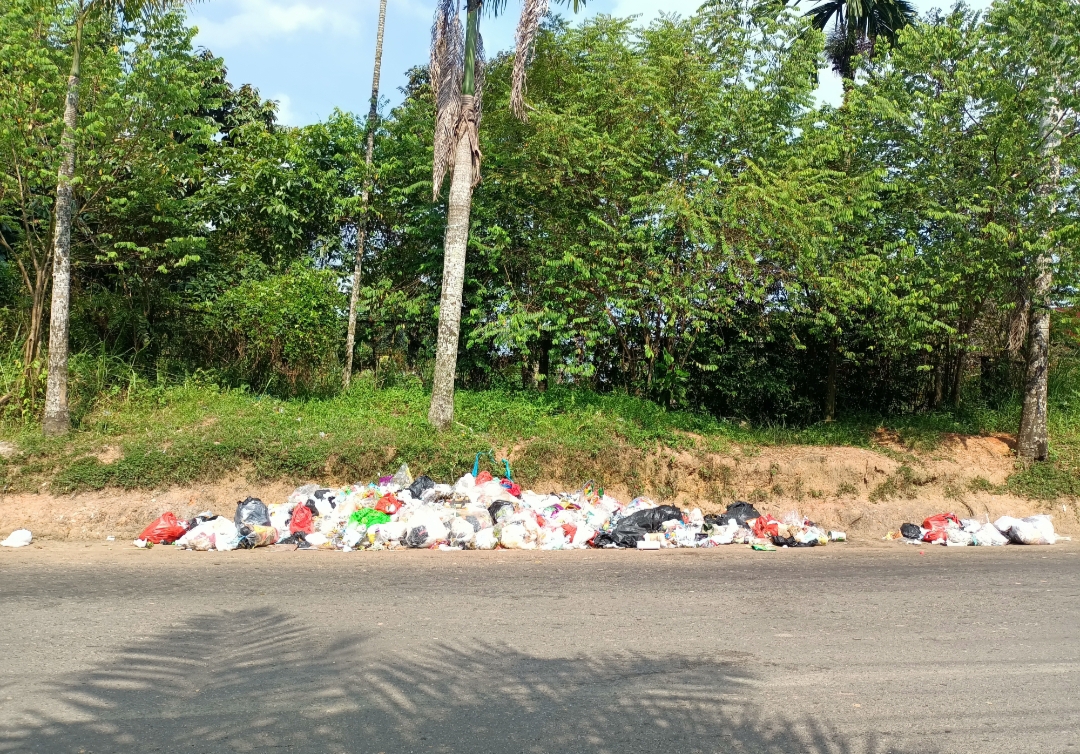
pixel 864 491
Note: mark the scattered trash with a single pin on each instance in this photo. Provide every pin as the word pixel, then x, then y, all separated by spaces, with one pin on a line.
pixel 165 530
pixel 110 538
pixel 18 538
pixel 947 529
pixel 480 511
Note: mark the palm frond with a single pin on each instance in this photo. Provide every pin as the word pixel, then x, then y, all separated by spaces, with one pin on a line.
pixel 532 13
pixel 821 15
pixel 132 9
pixel 447 71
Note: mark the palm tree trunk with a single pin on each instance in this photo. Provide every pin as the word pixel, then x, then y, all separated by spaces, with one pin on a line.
pixel 459 208
pixel 365 195
pixel 457 238
pixel 56 420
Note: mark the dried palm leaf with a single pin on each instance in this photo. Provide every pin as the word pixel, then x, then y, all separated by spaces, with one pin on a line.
pixel 532 13
pixel 447 71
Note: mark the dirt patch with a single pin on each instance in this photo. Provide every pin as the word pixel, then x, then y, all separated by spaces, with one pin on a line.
pixel 865 492
pixel 109 454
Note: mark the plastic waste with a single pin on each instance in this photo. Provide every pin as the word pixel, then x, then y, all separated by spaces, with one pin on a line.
pixel 403 478
pixel 936 527
pixel 253 535
pixel 253 512
pixel 164 530
pixel 989 536
pixel 1033 530
pixel 218 533
pixel 633 528
pixel 911 531
pixel 18 538
pixel 301 520
pixel 420 485
pixel 367 517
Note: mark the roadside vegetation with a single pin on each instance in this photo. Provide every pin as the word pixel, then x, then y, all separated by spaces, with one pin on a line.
pixel 674 245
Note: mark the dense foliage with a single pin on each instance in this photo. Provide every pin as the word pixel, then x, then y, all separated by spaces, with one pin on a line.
pixel 678 218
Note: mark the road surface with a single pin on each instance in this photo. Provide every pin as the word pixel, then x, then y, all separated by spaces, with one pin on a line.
pixel 846 649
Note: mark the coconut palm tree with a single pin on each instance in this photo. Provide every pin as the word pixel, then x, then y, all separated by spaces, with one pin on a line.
pixel 856 27
pixel 56 420
pixel 365 195
pixel 457 77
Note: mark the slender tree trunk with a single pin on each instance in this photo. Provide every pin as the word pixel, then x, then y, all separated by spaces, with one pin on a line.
pixel 543 363
pixel 457 238
pixel 830 387
pixel 1033 440
pixel 365 195
pixel 56 420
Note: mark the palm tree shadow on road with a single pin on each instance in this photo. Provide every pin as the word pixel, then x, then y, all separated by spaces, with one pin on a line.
pixel 257 680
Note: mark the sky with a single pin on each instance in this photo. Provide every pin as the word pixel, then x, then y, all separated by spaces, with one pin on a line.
pixel 314 55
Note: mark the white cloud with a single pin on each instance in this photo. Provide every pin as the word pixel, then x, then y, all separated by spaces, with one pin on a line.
pixel 258 20
pixel 285 114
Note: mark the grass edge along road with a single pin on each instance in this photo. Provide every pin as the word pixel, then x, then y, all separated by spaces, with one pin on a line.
pixel 156 437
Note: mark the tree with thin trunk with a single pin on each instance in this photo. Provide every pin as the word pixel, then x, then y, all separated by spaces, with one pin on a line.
pixel 365 195
pixel 1033 437
pixel 57 420
pixel 457 77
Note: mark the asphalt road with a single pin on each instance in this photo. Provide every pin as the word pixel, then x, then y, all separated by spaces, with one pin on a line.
pixel 839 649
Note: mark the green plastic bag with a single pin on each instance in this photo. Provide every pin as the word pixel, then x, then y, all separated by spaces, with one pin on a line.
pixel 368 517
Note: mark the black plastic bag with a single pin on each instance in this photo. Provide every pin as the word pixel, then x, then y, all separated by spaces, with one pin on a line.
pixel 417 537
pixel 200 519
pixel 504 507
pixel 629 530
pixel 741 511
pixel 792 542
pixel 420 485
pixel 253 512
pixel 910 531
pixel 327 495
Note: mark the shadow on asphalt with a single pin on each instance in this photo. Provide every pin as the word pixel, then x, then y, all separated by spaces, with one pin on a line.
pixel 258 680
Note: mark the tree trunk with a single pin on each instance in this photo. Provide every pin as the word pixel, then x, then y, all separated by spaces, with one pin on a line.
pixel 1033 440
pixel 365 195
pixel 543 362
pixel 830 387
pixel 56 420
pixel 453 281
pixel 1033 443
pixel 958 375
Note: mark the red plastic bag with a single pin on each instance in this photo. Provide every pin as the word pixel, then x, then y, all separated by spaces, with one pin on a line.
pixel 511 487
pixel 483 477
pixel 765 527
pixel 388 504
pixel 570 531
pixel 301 520
pixel 937 525
pixel 164 531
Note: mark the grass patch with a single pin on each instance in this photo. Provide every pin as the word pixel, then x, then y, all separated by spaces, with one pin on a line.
pixel 152 437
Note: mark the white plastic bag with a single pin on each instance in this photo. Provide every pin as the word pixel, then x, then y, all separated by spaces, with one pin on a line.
pixel 989 536
pixel 1034 530
pixel 958 537
pixel 517 537
pixel 18 538
pixel 484 540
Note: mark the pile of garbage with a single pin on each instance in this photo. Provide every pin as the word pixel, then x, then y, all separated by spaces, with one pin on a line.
pixel 947 529
pixel 478 512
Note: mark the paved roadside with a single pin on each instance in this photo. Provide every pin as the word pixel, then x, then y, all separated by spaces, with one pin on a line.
pixel 871 648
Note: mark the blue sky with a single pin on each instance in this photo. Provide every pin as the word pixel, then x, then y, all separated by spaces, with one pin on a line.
pixel 314 55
